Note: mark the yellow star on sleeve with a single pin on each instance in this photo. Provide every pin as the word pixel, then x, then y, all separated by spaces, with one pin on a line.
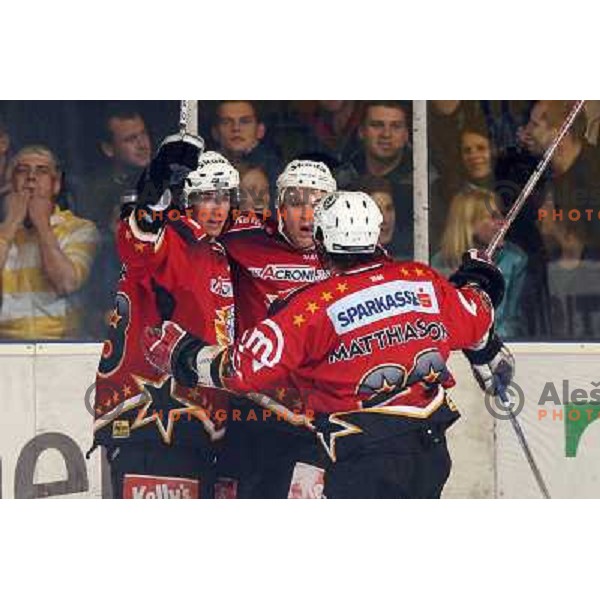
pixel 419 272
pixel 299 320
pixel 342 287
pixel 193 394
pixel 386 386
pixel 327 296
pixel 113 318
pixel 404 271
pixel 312 307
pixel 433 376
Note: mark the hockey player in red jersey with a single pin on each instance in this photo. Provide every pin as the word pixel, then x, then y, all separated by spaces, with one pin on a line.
pixel 270 258
pixel 160 436
pixel 368 350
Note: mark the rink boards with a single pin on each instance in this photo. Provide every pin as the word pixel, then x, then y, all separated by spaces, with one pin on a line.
pixel 45 429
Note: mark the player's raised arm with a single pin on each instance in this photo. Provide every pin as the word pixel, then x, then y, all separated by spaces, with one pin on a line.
pixel 478 289
pixel 160 187
pixel 261 360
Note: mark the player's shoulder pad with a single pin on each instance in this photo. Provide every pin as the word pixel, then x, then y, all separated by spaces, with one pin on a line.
pixel 188 229
pixel 134 246
pixel 414 269
pixel 217 248
pixel 287 297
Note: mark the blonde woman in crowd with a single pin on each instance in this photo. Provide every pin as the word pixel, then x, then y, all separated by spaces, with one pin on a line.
pixel 473 219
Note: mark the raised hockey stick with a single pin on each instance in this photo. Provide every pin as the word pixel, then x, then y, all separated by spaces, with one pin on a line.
pixel 183 116
pixel 533 179
pixel 491 250
pixel 523 441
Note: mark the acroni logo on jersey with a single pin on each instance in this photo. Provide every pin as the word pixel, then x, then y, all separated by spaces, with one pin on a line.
pixel 381 302
pixel 295 273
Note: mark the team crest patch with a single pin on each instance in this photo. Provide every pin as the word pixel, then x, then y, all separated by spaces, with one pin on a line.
pixel 120 430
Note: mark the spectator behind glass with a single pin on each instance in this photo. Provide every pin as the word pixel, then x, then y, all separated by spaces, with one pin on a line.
pixel 98 295
pixel 477 158
pixel 573 273
pixel 473 219
pixel 4 158
pixel 500 120
pixel 126 147
pixel 239 131
pixel 381 191
pixel 476 170
pixel 325 127
pixel 573 278
pixel 254 188
pixel 45 252
pixel 385 152
pixel 575 168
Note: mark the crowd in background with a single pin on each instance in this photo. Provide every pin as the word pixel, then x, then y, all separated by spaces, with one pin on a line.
pixel 65 168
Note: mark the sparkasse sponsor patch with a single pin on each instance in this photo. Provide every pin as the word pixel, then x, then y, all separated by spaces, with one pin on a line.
pixel 381 302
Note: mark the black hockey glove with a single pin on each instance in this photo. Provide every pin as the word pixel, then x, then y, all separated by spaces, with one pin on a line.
pixel 493 365
pixel 190 360
pixel 477 270
pixel 161 184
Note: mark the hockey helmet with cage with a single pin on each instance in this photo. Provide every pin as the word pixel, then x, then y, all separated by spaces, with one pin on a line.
pixel 305 174
pixel 214 173
pixel 348 223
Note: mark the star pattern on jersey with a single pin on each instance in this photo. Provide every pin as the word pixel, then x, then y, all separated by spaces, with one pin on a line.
pixel 139 247
pixel 163 408
pixel 332 428
pixel 114 318
pixel 385 388
pixel 417 271
pixel 327 296
pixel 433 377
pixel 312 307
pixel 341 287
pixel 107 403
pixel 193 394
pixel 299 320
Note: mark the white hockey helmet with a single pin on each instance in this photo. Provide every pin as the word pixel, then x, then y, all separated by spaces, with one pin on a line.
pixel 214 173
pixel 305 174
pixel 348 223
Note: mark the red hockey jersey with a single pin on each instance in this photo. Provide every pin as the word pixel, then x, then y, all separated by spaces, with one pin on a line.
pixel 375 339
pixel 265 266
pixel 175 274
